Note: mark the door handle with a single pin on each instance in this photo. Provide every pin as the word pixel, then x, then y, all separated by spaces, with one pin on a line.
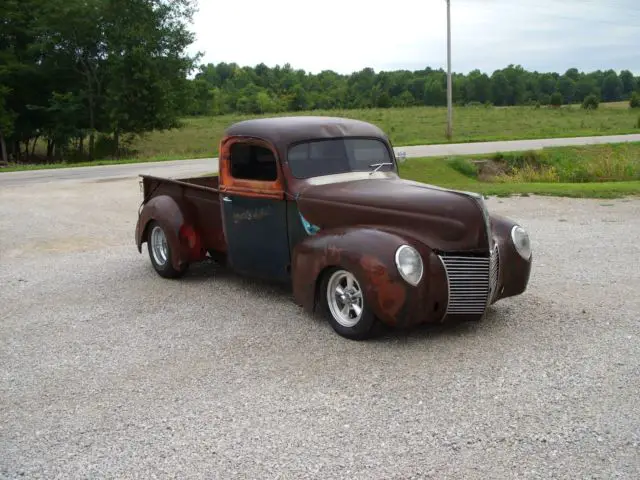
pixel 226 199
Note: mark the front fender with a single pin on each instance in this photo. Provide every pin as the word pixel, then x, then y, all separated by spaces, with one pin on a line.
pixel 178 224
pixel 515 271
pixel 369 253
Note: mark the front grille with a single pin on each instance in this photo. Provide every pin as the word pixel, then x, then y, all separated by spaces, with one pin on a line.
pixel 469 282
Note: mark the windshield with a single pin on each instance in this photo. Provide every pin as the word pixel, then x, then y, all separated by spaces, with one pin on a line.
pixel 328 157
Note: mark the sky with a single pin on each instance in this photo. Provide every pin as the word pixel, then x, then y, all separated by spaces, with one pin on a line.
pixel 349 35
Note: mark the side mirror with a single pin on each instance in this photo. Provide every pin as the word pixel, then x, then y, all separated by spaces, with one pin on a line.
pixel 401 157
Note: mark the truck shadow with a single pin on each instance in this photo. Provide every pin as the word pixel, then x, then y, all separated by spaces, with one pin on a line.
pixel 208 270
pixel 450 328
pixel 205 271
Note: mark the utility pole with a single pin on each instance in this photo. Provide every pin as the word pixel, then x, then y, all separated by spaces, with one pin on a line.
pixel 449 86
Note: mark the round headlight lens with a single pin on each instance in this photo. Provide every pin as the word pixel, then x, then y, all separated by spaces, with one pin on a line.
pixel 521 242
pixel 409 264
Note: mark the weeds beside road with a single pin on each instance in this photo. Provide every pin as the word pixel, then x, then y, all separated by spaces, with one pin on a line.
pixel 602 171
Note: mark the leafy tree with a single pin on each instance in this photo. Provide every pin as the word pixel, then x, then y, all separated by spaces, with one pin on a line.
pixel 567 88
pixel 556 99
pixel 478 87
pixel 145 81
pixel 634 102
pixel 435 93
pixel 591 102
pixel 573 74
pixel 628 82
pixel 6 124
pixel 585 87
pixel 612 87
pixel 72 67
pixel 501 91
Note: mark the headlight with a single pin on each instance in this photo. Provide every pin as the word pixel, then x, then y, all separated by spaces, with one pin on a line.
pixel 521 241
pixel 409 264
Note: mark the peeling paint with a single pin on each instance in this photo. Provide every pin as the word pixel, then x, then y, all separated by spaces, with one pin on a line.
pixel 308 227
pixel 255 214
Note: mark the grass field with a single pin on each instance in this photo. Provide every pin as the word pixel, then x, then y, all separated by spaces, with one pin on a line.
pixel 417 126
pixel 595 171
pixel 199 136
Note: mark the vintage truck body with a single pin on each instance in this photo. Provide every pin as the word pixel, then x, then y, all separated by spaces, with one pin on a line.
pixel 318 202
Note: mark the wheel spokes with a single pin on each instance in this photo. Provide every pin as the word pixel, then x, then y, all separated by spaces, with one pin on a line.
pixel 350 282
pixel 345 298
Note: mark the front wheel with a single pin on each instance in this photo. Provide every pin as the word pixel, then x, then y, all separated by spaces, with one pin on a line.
pixel 160 252
pixel 345 306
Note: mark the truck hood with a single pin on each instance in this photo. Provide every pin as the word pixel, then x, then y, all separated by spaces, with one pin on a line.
pixel 442 219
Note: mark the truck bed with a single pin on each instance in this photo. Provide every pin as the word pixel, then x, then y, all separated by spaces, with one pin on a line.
pixel 198 195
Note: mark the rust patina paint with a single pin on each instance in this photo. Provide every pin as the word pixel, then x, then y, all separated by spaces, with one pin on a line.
pixel 389 295
pixel 250 188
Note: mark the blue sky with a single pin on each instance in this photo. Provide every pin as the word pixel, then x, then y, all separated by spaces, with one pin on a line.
pixel 348 35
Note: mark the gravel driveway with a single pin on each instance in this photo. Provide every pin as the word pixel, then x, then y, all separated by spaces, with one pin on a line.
pixel 109 371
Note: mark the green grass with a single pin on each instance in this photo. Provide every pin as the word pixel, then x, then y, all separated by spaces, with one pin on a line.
pixel 417 126
pixel 621 168
pixel 199 137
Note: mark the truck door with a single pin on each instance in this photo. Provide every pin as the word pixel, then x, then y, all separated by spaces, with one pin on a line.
pixel 254 209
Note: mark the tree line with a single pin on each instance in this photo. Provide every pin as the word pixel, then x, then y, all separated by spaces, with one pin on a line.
pixel 72 68
pixel 80 78
pixel 227 87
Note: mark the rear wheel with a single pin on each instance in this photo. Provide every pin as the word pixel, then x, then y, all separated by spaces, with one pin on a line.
pixel 344 304
pixel 160 252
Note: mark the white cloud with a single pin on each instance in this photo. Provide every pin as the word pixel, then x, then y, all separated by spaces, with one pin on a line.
pixel 349 35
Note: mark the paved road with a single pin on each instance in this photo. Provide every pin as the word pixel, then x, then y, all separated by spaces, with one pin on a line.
pixel 109 371
pixel 195 167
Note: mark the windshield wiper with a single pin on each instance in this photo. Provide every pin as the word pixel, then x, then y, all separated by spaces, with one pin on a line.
pixel 378 165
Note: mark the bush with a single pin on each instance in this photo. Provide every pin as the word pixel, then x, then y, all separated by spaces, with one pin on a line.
pixel 556 99
pixel 635 100
pixel 591 102
pixel 464 166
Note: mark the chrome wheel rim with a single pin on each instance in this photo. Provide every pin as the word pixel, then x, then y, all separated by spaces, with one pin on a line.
pixel 344 297
pixel 159 246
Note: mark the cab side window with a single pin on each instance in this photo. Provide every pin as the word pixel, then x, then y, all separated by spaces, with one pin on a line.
pixel 252 162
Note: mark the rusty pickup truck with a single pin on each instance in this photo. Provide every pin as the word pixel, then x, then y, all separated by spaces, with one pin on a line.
pixel 317 202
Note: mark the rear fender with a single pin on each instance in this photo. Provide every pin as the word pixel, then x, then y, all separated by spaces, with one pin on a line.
pixel 179 226
pixel 369 253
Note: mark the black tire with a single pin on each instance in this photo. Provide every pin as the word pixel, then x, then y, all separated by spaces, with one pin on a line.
pixel 352 328
pixel 162 262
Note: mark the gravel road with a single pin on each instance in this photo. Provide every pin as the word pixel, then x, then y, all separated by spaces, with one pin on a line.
pixel 109 371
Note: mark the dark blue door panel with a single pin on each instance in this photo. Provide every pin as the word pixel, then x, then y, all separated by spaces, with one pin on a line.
pixel 257 236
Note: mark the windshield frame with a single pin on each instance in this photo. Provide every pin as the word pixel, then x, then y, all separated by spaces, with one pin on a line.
pixel 387 146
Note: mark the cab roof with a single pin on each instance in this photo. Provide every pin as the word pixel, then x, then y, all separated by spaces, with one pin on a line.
pixel 284 131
